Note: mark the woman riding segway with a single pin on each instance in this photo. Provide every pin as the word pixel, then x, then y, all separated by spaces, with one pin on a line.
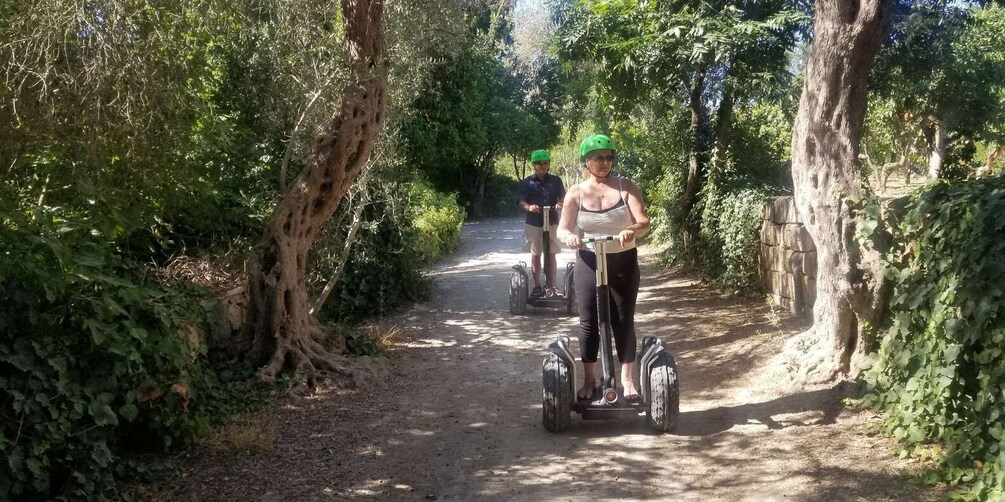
pixel 605 205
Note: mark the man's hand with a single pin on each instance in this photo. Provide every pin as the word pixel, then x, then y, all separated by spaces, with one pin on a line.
pixel 534 208
pixel 558 206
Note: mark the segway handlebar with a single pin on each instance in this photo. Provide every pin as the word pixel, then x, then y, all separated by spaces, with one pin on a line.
pixel 591 240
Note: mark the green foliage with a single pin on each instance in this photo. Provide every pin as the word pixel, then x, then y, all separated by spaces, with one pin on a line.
pixel 405 227
pixel 383 272
pixel 473 112
pixel 134 131
pixel 940 368
pixel 945 64
pixel 437 220
pixel 731 234
pixel 652 151
pixel 96 359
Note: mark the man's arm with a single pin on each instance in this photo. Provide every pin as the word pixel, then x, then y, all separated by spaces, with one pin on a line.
pixel 524 199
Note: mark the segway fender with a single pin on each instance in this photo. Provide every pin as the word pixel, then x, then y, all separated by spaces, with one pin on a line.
pixel 560 347
pixel 571 307
pixel 521 268
pixel 651 347
pixel 518 291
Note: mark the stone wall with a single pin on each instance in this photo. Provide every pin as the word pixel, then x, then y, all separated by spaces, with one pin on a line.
pixel 788 259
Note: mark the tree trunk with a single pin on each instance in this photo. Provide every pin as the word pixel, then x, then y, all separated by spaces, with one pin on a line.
pixel 280 332
pixel 825 144
pixel 723 126
pixel 516 170
pixel 989 166
pixel 888 169
pixel 936 149
pixel 696 167
pixel 478 190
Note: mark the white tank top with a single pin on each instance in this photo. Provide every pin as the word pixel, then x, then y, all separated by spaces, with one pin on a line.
pixel 606 221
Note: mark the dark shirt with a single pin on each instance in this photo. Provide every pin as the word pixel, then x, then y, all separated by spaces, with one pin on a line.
pixel 546 192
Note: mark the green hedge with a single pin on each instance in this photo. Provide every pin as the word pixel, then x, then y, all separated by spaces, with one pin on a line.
pixel 384 270
pixel 437 219
pixel 94 358
pixel 940 368
pixel 730 235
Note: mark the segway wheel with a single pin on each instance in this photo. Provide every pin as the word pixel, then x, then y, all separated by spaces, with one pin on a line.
pixel 517 294
pixel 664 400
pixel 557 394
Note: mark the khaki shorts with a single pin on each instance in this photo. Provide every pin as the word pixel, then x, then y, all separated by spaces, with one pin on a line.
pixel 533 240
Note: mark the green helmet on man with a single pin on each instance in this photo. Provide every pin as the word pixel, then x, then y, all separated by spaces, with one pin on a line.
pixel 596 142
pixel 539 156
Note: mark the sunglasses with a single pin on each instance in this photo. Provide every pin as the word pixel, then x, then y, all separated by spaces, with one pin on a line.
pixel 602 158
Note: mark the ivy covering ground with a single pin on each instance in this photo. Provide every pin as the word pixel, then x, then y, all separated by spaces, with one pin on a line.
pixel 939 373
pixel 102 363
pixel 96 359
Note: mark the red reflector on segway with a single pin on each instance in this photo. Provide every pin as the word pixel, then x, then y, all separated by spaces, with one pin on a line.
pixel 611 396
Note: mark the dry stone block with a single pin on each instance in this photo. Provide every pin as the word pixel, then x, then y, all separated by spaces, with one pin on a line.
pixel 797 238
pixel 781 283
pixel 809 287
pixel 780 301
pixel 771 233
pixel 781 210
pixel 779 259
pixel 232 310
pixel 810 263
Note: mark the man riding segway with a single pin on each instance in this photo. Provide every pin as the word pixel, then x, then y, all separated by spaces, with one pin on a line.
pixel 537 191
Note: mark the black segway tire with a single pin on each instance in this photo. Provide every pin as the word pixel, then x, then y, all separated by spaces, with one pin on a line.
pixel 664 398
pixel 557 394
pixel 517 294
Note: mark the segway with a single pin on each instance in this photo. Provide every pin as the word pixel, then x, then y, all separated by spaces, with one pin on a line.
pixel 519 282
pixel 659 402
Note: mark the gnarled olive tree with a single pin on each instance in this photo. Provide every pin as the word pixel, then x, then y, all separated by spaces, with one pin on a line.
pixel 283 336
pixel 825 172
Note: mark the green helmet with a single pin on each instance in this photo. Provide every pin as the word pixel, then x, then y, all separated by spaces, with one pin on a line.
pixel 596 142
pixel 540 155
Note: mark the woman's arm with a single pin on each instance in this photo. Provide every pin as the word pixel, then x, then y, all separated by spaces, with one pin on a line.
pixel 637 208
pixel 570 210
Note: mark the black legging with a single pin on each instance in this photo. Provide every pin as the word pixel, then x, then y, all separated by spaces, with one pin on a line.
pixel 623 282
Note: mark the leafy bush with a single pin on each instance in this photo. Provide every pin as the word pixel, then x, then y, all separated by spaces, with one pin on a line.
pixel 95 357
pixel 437 220
pixel 730 234
pixel 500 196
pixel 384 269
pixel 940 368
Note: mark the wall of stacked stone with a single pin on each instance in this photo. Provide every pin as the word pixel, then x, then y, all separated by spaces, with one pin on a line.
pixel 788 258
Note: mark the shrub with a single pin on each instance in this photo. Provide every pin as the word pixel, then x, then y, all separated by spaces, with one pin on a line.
pixel 437 219
pixel 94 357
pixel 499 198
pixel 730 234
pixel 940 368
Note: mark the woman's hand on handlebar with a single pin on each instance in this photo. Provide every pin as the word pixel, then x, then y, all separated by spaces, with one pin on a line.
pixel 626 235
pixel 572 240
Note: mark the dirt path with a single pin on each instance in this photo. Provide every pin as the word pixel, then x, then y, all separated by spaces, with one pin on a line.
pixel 458 417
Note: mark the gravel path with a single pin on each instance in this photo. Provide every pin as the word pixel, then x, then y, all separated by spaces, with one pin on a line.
pixel 457 414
